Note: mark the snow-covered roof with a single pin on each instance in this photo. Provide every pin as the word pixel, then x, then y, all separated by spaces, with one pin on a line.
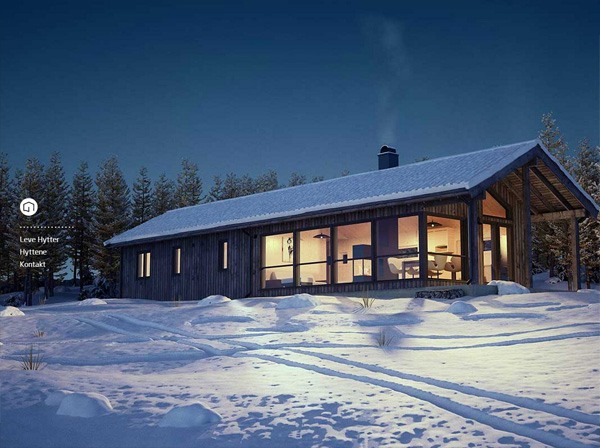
pixel 447 175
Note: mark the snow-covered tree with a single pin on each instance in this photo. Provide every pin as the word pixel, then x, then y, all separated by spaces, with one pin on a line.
pixel 552 139
pixel 141 198
pixel 81 243
pixel 31 184
pixel 587 174
pixel 7 219
pixel 265 182
pixel 234 186
pixel 296 179
pixel 551 240
pixel 163 199
pixel 55 207
pixel 189 185
pixel 112 218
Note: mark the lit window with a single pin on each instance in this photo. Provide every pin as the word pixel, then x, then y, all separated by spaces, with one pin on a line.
pixel 277 258
pixel 444 248
pixel 314 257
pixel 177 260
pixel 353 253
pixel 143 265
pixel 224 256
pixel 398 248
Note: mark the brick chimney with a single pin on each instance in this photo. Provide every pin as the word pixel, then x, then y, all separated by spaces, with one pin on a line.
pixel 387 158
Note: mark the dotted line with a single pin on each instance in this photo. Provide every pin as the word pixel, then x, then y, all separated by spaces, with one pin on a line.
pixel 46 227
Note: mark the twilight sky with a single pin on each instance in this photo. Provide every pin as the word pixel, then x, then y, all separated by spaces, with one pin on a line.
pixel 314 87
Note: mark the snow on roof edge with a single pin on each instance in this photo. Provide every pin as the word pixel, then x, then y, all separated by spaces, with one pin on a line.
pixel 566 173
pixel 257 218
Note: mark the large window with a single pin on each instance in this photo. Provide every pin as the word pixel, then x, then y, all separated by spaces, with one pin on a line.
pixel 353 253
pixel 444 248
pixel 384 249
pixel 277 269
pixel 398 248
pixel 143 265
pixel 314 257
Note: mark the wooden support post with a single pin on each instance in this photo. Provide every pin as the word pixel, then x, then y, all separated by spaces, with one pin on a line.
pixel 423 257
pixel 575 259
pixel 527 265
pixel 473 237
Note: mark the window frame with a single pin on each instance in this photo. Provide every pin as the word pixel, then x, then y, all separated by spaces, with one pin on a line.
pixel 224 255
pixel 146 257
pixel 422 252
pixel 176 259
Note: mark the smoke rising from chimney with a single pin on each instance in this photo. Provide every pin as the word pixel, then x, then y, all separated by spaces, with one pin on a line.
pixel 386 36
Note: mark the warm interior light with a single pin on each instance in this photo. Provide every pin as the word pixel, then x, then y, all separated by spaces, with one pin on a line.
pixel 321 236
pixel 433 224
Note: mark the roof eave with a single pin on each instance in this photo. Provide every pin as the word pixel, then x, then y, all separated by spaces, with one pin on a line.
pixel 455 193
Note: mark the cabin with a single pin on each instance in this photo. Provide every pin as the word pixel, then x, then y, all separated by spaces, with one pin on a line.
pixel 462 219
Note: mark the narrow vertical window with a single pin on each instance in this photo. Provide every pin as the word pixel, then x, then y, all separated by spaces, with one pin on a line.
pixel 143 265
pixel 224 255
pixel 140 265
pixel 176 260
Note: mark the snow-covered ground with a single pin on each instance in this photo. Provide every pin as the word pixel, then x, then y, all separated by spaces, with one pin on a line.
pixel 518 371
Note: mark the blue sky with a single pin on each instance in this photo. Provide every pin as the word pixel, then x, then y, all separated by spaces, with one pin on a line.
pixel 314 87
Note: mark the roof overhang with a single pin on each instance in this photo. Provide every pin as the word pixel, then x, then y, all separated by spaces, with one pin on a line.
pixel 456 194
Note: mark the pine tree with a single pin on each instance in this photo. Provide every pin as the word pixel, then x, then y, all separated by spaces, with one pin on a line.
pixel 296 179
pixel 164 195
pixel 552 139
pixel 81 220
pixel 31 184
pixel 142 198
pixel 551 241
pixel 265 182
pixel 189 185
pixel 7 223
pixel 112 218
pixel 587 174
pixel 56 197
pixel 234 186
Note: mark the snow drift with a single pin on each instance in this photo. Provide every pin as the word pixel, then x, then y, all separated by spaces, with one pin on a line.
pixel 55 398
pixel 506 287
pixel 94 301
pixel 10 311
pixel 85 405
pixel 298 301
pixel 214 300
pixel 195 414
pixel 460 307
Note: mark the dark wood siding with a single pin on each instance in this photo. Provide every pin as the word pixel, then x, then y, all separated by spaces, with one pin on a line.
pixel 200 274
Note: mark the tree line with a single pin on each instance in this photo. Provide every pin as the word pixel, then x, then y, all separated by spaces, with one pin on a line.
pixel 91 209
pixel 551 240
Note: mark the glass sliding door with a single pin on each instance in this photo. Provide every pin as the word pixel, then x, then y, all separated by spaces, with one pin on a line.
pixel 444 248
pixel 353 253
pixel 488 254
pixel 398 248
pixel 277 261
pixel 314 257
pixel 503 246
pixel 496 252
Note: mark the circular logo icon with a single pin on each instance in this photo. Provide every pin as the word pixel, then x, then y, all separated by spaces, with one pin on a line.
pixel 29 207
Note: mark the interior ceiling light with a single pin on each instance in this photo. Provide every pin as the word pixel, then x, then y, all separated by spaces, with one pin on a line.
pixel 434 224
pixel 321 236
